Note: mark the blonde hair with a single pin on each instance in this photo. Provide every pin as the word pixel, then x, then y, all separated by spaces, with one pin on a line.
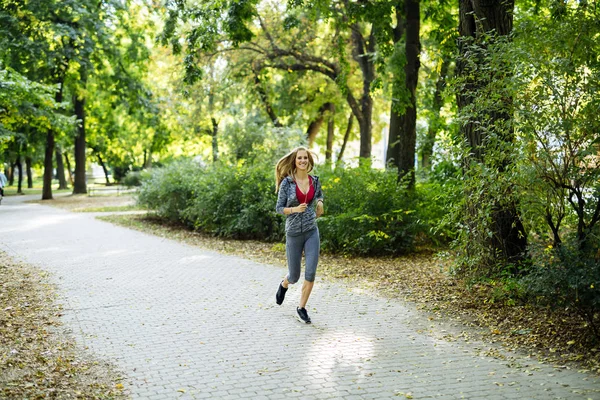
pixel 286 166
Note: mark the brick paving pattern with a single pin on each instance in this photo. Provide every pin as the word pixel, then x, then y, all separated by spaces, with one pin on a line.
pixel 184 323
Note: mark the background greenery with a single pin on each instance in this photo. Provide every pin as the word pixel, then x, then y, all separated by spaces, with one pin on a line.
pixel 195 101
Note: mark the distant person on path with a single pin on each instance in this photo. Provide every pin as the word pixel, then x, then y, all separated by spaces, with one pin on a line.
pixel 3 182
pixel 299 198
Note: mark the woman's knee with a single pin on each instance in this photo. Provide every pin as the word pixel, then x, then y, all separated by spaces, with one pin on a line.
pixel 310 276
pixel 293 278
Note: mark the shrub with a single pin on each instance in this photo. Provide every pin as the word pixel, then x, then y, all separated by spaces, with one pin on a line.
pixel 367 211
pixel 133 178
pixel 168 190
pixel 564 277
pixel 236 202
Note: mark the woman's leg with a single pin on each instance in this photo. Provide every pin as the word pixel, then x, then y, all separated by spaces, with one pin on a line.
pixel 293 249
pixel 306 289
pixel 312 247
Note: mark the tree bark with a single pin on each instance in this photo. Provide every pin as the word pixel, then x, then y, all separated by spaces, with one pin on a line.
pixel 148 157
pixel 48 162
pixel 392 154
pixel 80 186
pixel 476 18
pixel 330 133
pixel 11 173
pixel 402 135
pixel 215 142
pixel 20 176
pixel 362 50
pixel 315 125
pixel 434 121
pixel 60 170
pixel 345 142
pixel 104 169
pixel 28 163
pixel 68 164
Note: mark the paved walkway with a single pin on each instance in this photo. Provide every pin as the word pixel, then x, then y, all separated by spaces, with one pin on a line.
pixel 182 322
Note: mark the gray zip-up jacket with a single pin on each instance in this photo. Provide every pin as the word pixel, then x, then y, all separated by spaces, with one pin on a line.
pixel 298 223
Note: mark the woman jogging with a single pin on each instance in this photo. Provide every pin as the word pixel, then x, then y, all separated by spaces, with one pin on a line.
pixel 299 198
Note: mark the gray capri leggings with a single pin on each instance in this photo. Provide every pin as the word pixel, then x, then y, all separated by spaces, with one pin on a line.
pixel 294 245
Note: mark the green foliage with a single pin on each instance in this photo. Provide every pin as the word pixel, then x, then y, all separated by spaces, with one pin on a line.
pixel 367 211
pixel 224 200
pixel 169 190
pixel 237 202
pixel 133 178
pixel 255 141
pixel 558 111
pixel 27 103
pixel 566 277
pixel 491 238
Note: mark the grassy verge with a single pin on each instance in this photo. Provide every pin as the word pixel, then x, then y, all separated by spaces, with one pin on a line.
pixel 37 360
pixel 559 336
pixel 85 203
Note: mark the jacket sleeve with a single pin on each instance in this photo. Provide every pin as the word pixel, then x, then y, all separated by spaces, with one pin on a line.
pixel 282 196
pixel 318 191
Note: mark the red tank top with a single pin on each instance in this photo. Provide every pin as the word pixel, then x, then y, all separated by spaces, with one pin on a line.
pixel 306 198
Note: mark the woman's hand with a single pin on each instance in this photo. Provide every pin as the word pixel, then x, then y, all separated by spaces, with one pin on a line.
pixel 319 209
pixel 301 208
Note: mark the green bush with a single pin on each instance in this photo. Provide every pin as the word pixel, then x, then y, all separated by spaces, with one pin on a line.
pixel 168 190
pixel 237 202
pixel 564 277
pixel 132 179
pixel 366 210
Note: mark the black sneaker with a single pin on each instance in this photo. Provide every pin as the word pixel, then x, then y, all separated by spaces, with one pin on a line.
pixel 280 295
pixel 303 315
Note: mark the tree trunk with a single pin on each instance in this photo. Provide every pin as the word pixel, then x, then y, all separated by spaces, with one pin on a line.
pixel 392 156
pixel 408 135
pixel 68 164
pixel 215 142
pixel 330 133
pixel 28 162
pixel 11 174
pixel 104 169
pixel 60 170
pixel 362 51
pixel 48 164
pixel 495 17
pixel 148 158
pixel 20 177
pixel 315 125
pixel 345 142
pixel 434 121
pixel 79 186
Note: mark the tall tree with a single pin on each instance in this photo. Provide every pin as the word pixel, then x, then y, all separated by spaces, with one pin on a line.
pixel 286 44
pixel 489 131
pixel 403 115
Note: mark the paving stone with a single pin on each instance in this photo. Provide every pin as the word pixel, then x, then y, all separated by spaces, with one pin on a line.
pixel 171 316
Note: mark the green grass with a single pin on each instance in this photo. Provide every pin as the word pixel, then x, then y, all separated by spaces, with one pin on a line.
pixel 12 190
pixel 110 209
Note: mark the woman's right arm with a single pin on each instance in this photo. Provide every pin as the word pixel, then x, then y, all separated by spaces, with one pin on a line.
pixel 282 199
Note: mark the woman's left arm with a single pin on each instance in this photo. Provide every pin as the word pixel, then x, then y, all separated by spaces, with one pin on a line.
pixel 319 199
